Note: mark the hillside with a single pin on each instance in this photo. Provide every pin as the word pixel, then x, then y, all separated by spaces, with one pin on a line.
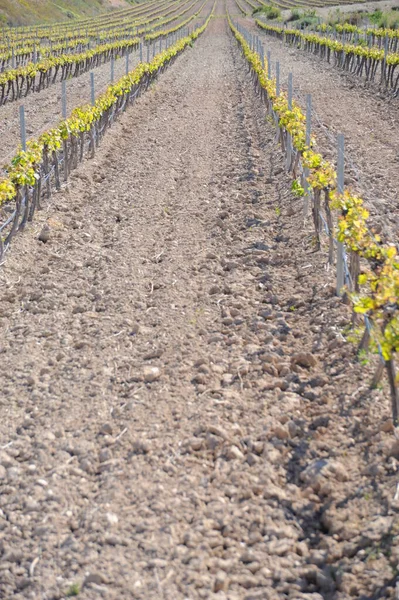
pixel 24 12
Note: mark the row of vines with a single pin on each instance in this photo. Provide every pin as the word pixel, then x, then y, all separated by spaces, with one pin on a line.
pixel 49 159
pixel 374 64
pixel 18 83
pixel 373 293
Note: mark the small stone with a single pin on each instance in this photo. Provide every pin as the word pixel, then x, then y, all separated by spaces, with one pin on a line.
pixel 96 578
pixel 44 235
pixel 281 433
pixel 321 421
pixel 106 429
pixel 105 455
pixel 248 557
pixel 233 453
pixel 112 518
pixel 387 426
pixel 227 379
pixel 112 540
pixel 303 359
pixel 3 472
pixel 151 374
pixel 252 459
pixel 214 290
pixel 6 460
pixel 31 505
pixel 200 378
pixel 141 447
pixel 12 555
pixel 221 582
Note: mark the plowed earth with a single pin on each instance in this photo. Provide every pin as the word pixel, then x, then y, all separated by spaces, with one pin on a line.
pixel 181 417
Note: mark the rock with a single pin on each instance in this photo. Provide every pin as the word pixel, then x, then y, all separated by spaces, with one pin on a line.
pixel 303 359
pixel 200 378
pixel 323 469
pixel 96 578
pixel 221 582
pixel 321 421
pixel 318 381
pixel 290 401
pixel 112 518
pixel 292 428
pixel 44 235
pixel 12 555
pixel 112 540
pixel 6 460
pixel 195 444
pixel 151 374
pixel 3 472
pixel 31 505
pixel 105 455
pixel 248 557
pixel 214 290
pixel 141 447
pixel 233 453
pixel 106 429
pixel 252 459
pixel 227 379
pixel 281 433
pixel 387 426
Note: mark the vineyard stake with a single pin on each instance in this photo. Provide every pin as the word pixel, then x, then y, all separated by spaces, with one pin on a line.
pixel 277 78
pixel 289 139
pixel 307 141
pixel 340 189
pixel 63 100
pixel 93 96
pixel 22 126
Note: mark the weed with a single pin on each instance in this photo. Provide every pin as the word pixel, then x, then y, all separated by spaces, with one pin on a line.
pixel 363 358
pixel 73 590
pixel 297 189
pixel 270 12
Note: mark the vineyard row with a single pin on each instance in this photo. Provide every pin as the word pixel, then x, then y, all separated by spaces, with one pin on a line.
pixel 374 292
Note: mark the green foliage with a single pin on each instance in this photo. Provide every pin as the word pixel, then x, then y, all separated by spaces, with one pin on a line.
pixel 375 17
pixel 297 189
pixel 73 590
pixel 270 12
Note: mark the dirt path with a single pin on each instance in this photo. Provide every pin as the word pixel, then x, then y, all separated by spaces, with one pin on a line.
pixel 181 417
pixel 368 121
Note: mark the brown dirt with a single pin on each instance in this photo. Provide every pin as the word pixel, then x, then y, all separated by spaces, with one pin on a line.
pixel 367 119
pixel 181 416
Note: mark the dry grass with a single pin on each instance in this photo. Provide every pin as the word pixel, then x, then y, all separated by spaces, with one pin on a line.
pixel 26 12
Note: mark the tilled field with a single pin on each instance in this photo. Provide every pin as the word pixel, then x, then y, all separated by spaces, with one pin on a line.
pixel 182 417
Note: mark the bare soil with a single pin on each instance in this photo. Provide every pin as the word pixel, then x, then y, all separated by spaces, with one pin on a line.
pixel 181 414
